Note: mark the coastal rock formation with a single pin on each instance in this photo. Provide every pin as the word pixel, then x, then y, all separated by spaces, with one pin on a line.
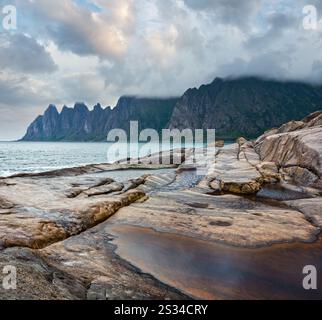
pixel 88 269
pixel 244 106
pixel 292 152
pixel 226 219
pixel 296 150
pixel 39 209
pixel 67 234
pixel 234 173
pixel 234 107
pixel 151 231
pixel 80 124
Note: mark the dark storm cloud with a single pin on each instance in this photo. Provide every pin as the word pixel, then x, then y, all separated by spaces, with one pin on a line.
pixel 19 91
pixel 234 12
pixel 317 71
pixel 269 65
pixel 278 25
pixel 83 87
pixel 24 54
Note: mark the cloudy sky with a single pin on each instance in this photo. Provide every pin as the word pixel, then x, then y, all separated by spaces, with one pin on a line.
pixel 65 51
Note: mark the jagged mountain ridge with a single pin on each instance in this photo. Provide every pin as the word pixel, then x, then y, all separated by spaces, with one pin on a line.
pixel 81 124
pixel 245 107
pixel 234 107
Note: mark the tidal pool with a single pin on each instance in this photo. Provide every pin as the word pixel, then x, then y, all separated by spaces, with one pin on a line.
pixel 208 270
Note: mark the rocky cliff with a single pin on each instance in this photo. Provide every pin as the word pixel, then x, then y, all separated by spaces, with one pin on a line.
pixel 245 107
pixel 80 124
pixel 234 107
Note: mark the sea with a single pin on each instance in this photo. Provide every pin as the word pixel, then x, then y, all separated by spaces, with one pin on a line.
pixel 34 157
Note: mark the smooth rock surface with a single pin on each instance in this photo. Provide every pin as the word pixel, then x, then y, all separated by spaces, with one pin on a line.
pixel 297 149
pixel 234 173
pixel 228 219
pixel 311 208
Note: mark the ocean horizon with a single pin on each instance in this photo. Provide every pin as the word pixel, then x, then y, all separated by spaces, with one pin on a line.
pixel 18 157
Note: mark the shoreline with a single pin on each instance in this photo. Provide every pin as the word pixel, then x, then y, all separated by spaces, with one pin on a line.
pixel 82 167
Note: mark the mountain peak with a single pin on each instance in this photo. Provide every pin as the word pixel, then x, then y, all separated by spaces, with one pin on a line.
pixel 51 109
pixel 65 109
pixel 80 107
pixel 124 99
pixel 80 124
pixel 98 107
pixel 218 79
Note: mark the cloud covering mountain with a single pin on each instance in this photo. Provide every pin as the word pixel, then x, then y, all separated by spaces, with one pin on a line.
pixel 98 50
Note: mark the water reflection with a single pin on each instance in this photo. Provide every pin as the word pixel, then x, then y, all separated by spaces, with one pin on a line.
pixel 214 271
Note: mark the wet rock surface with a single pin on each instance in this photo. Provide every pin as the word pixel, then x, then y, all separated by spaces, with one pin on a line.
pixel 227 219
pixel 208 270
pixel 47 231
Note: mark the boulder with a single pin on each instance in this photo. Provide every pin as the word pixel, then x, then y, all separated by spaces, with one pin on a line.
pixel 234 173
pixel 269 171
pixel 291 126
pixel 296 148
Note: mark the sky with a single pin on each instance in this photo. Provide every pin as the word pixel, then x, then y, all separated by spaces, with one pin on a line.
pixel 68 51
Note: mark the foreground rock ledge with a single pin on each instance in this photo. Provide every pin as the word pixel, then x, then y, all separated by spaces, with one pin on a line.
pixel 57 227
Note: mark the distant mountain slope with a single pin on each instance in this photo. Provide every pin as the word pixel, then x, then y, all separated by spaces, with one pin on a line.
pixel 234 107
pixel 245 106
pixel 80 124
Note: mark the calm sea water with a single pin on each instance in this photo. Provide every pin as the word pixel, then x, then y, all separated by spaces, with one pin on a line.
pixel 25 157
